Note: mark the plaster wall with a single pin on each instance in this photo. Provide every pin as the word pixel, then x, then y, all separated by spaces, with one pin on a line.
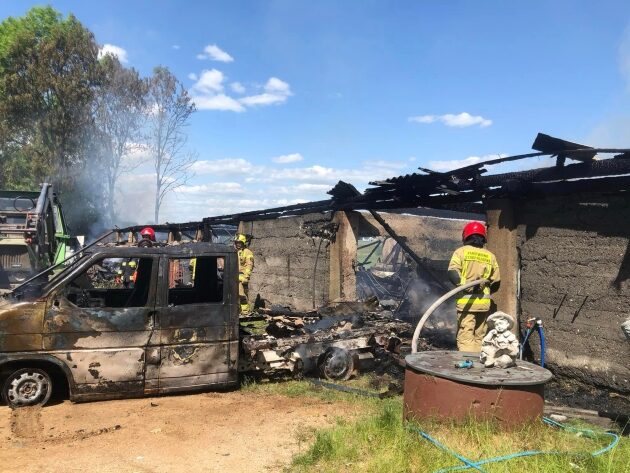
pixel 287 256
pixel 575 276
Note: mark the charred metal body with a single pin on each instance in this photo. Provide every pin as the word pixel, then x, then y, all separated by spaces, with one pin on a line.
pixel 333 347
pixel 149 334
pixel 436 388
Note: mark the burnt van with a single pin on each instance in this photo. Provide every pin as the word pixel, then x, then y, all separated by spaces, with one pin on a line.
pixel 124 321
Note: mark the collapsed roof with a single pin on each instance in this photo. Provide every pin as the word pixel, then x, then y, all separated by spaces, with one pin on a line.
pixel 464 189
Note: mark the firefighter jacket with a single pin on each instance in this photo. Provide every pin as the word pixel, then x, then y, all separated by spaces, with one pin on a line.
pixel 475 263
pixel 245 265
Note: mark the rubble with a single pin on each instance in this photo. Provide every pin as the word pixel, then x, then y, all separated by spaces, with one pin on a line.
pixel 334 341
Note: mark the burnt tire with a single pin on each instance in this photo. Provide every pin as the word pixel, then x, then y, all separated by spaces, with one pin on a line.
pixel 27 387
pixel 336 364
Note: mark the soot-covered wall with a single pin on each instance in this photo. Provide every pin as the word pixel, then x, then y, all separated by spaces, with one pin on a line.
pixel 288 252
pixel 575 276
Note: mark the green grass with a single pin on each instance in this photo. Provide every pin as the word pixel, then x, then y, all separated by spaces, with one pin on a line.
pixel 375 439
pixel 301 388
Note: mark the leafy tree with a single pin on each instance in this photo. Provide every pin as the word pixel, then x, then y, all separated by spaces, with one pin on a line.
pixel 38 22
pixel 18 169
pixel 48 76
pixel 170 107
pixel 120 114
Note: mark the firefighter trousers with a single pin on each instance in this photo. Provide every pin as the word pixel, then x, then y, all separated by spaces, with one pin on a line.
pixel 471 328
pixel 243 296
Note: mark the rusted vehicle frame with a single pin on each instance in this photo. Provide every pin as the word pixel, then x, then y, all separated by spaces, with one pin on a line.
pixel 127 351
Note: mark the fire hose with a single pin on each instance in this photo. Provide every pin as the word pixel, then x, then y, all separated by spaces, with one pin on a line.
pixel 435 305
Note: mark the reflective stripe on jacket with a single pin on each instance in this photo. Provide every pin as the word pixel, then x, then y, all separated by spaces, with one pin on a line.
pixel 475 263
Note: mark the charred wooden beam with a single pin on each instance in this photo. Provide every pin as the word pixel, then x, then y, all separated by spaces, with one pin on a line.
pixel 563 149
pixel 605 185
pixel 601 168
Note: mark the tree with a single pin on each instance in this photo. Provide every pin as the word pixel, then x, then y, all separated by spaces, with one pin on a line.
pixel 48 74
pixel 18 167
pixel 120 108
pixel 170 107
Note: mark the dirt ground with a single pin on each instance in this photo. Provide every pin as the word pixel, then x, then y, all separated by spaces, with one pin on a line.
pixel 228 431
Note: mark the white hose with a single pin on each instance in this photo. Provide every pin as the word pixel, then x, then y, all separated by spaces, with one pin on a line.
pixel 435 305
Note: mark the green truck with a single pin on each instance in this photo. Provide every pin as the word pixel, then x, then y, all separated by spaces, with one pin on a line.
pixel 33 234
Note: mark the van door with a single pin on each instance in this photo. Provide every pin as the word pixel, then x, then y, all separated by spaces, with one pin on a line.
pixel 195 324
pixel 100 324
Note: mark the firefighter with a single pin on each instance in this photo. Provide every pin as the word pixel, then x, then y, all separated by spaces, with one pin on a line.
pixel 469 263
pixel 148 237
pixel 128 272
pixel 245 268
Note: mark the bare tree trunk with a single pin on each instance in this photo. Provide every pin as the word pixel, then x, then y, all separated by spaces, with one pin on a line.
pixel 158 189
pixel 171 107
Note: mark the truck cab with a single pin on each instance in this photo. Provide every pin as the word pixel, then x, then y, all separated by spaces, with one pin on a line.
pixel 33 234
pixel 124 321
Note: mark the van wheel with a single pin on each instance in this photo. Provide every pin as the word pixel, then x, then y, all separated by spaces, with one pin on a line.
pixel 336 364
pixel 27 387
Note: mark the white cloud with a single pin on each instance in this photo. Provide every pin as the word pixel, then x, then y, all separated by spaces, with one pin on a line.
pixel 175 46
pixel 218 102
pixel 231 185
pixel 208 92
pixel 288 158
pixel 214 188
pixel 460 163
pixel 215 53
pixel 275 91
pixel 319 174
pixel 460 120
pixel 312 187
pixel 237 87
pixel 238 166
pixel 117 51
pixel 303 189
pixel 209 81
pixel 316 174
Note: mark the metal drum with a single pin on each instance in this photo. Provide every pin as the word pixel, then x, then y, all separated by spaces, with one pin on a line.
pixel 436 388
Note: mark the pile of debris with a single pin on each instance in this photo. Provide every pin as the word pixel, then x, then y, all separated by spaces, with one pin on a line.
pixel 333 341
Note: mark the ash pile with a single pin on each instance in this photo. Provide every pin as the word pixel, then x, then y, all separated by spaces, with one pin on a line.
pixel 333 342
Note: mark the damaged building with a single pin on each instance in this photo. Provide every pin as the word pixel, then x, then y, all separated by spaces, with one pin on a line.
pixel 559 233
pixel 342 281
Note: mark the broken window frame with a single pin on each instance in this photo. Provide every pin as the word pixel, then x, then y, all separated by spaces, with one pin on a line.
pixel 149 297
pixel 166 282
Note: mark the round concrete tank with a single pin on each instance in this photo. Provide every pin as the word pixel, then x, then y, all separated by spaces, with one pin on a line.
pixel 436 388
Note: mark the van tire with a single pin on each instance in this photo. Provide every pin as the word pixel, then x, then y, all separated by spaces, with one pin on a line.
pixel 27 387
pixel 336 364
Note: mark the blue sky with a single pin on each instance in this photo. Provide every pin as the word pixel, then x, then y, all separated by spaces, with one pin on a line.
pixel 299 94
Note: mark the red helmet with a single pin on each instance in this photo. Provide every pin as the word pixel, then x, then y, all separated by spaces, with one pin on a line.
pixel 474 228
pixel 148 233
